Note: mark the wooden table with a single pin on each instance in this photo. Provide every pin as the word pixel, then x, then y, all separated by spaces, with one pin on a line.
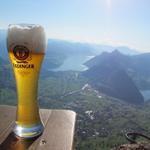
pixel 58 133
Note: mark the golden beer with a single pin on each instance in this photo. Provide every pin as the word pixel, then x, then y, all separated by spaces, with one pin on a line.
pixel 26 47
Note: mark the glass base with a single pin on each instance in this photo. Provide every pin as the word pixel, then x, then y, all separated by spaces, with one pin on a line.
pixel 28 132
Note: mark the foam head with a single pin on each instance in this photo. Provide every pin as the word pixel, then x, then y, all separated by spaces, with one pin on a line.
pixel 29 35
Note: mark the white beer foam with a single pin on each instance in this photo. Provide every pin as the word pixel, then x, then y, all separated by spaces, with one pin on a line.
pixel 29 35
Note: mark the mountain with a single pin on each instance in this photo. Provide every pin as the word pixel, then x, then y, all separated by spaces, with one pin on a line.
pixel 3 46
pixel 99 48
pixel 136 66
pixel 7 83
pixel 59 50
pixel 139 63
pixel 102 121
pixel 115 56
pixel 69 48
pixel 56 53
pixel 77 48
pixel 108 73
pixel 6 77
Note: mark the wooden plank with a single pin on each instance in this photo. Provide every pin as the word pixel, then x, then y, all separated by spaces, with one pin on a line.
pixel 58 133
pixel 8 138
pixel 7 117
pixel 45 114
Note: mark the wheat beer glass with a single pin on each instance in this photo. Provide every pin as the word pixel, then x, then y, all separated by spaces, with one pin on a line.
pixel 26 45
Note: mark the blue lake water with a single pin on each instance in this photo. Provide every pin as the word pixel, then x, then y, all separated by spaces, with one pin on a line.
pixel 75 63
pixel 146 94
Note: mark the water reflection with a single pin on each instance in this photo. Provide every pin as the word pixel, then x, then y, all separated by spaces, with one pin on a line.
pixel 14 143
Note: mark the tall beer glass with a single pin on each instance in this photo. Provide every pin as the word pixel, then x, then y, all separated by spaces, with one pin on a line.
pixel 26 45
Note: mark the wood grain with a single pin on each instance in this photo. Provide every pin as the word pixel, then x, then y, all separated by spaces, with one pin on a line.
pixel 58 133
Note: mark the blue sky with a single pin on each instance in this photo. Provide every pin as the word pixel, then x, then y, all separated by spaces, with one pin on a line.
pixel 113 22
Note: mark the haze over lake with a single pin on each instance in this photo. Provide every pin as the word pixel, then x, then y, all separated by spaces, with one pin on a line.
pixel 75 63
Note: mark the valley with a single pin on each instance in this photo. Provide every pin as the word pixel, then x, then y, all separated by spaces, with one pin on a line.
pixel 103 117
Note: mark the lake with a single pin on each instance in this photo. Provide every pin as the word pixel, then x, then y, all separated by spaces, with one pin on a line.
pixel 146 94
pixel 75 63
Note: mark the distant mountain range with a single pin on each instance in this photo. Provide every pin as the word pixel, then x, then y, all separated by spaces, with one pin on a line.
pixel 3 47
pixel 102 96
pixel 111 72
pixel 6 77
pixel 119 75
pixel 139 63
pixel 136 66
pixel 59 50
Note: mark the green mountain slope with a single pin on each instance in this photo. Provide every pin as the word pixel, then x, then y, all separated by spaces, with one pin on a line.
pixel 136 66
pixel 101 120
pixel 7 84
pixel 109 75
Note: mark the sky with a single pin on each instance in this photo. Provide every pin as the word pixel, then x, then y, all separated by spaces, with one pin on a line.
pixel 113 22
